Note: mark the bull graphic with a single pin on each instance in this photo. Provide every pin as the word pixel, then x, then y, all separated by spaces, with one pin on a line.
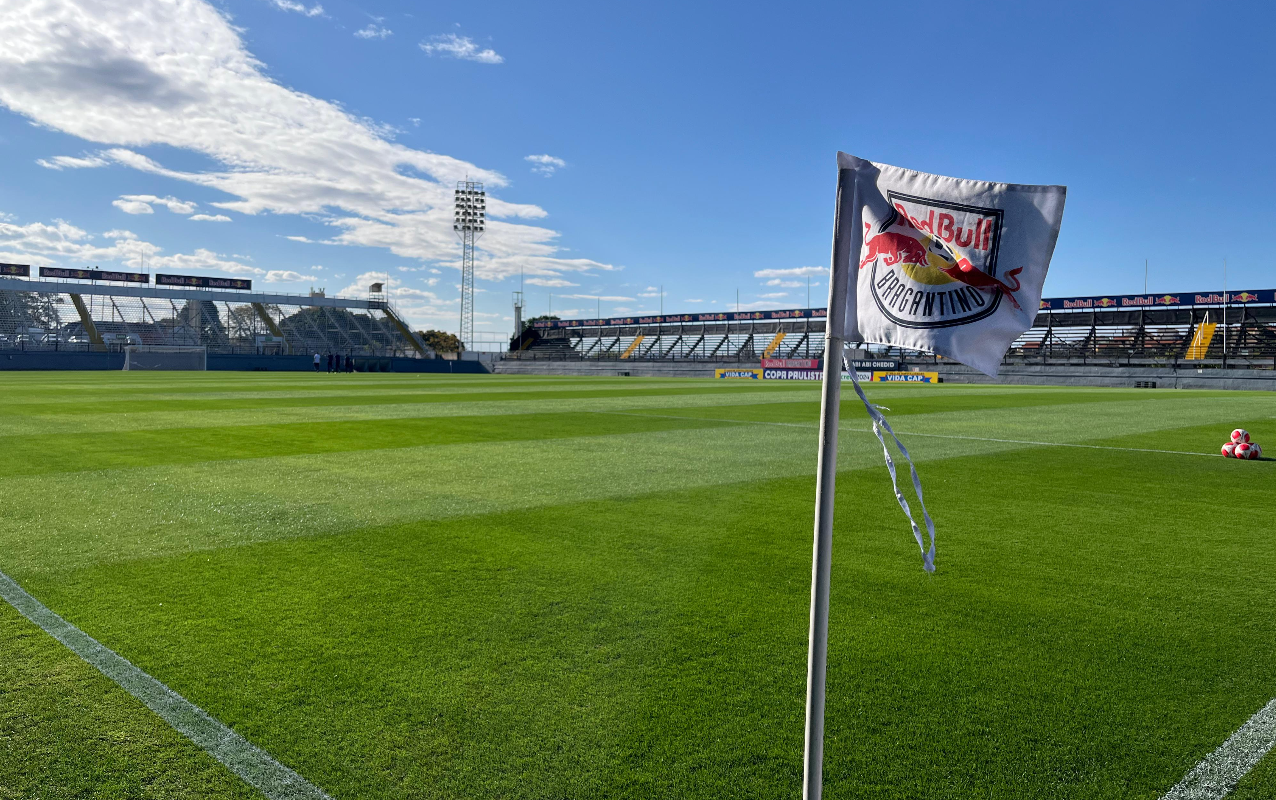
pixel 927 259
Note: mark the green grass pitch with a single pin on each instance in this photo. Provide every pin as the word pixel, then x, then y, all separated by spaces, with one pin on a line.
pixel 432 586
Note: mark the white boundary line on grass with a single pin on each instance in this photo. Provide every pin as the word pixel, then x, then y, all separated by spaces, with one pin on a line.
pixel 255 766
pixel 812 426
pixel 1217 775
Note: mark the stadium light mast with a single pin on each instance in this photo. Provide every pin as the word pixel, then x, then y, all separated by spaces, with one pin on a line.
pixel 469 222
pixel 518 317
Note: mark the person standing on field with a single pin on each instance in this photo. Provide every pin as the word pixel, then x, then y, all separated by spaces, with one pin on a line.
pixel 330 363
pixel 316 362
pixel 349 363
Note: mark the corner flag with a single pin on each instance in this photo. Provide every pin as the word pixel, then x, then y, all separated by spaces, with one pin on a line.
pixel 943 265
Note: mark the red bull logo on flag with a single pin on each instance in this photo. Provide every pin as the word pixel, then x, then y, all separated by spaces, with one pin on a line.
pixel 934 263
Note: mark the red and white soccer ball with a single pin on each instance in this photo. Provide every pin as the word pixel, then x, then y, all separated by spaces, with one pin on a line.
pixel 1229 450
pixel 1240 435
pixel 1246 451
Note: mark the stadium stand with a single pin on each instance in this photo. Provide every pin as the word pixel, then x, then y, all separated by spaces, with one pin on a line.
pixel 46 315
pixel 1203 329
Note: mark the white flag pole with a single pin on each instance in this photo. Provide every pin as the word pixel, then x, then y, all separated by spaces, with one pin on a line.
pixel 826 478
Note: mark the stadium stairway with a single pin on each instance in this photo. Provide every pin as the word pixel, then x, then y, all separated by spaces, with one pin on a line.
pixel 1200 345
pixel 775 343
pixel 632 347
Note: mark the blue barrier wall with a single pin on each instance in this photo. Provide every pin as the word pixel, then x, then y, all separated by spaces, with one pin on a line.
pixel 21 359
pixel 60 360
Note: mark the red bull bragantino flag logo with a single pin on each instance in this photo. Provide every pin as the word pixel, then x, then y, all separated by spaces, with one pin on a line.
pixel 945 265
pixel 934 263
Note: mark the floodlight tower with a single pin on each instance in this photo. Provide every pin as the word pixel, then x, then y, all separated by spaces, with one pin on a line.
pixel 518 317
pixel 469 222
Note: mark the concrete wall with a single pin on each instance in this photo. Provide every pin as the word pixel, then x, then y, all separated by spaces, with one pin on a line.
pixel 1164 377
pixel 637 369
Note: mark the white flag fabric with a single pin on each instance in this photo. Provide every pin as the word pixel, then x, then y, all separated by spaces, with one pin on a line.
pixel 949 266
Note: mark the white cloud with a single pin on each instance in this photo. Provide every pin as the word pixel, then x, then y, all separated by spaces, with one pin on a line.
pixel 604 297
pixel 649 294
pixel 795 272
pixel 299 239
pixel 449 45
pixel 64 244
pixel 554 283
pixel 133 206
pixel 695 300
pixel 210 218
pixel 289 5
pixel 416 121
pixel 373 32
pixel 71 162
pixel 545 164
pixel 175 75
pixel 286 276
pixel 141 204
pixel 784 283
pixel 204 259
pixel 774 295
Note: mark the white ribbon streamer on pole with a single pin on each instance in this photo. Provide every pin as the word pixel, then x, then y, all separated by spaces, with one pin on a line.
pixel 879 422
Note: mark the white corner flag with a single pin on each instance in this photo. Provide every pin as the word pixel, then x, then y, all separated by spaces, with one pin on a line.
pixel 942 265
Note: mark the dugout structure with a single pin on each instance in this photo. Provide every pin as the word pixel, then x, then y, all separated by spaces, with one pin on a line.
pixel 163 357
pixel 109 317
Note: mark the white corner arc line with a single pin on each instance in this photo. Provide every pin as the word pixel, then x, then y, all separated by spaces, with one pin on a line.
pixel 1217 775
pixel 252 764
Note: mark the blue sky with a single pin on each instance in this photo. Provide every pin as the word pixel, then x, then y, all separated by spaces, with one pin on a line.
pixel 689 146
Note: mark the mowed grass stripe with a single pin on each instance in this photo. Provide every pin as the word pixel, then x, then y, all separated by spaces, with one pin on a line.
pixel 67 731
pixel 15 425
pixel 51 453
pixel 803 406
pixel 406 389
pixel 129 513
pixel 655 645
pixel 371 399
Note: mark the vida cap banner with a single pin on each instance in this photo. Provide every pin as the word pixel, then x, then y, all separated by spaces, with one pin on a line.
pixel 949 266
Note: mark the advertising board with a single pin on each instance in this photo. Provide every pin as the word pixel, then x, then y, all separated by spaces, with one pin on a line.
pixel 94 275
pixel 906 377
pixel 201 282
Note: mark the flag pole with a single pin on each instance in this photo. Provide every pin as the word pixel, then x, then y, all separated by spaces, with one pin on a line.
pixel 826 478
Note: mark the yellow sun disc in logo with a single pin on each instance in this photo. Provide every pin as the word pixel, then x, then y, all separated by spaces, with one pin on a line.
pixel 931 273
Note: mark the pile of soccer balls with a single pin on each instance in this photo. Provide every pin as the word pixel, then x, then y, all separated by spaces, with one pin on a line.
pixel 1241 447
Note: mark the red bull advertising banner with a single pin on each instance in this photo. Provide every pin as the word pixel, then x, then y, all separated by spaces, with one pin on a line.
pixel 1129 301
pixel 20 270
pixel 93 275
pixel 790 363
pixel 955 302
pixel 671 319
pixel 202 282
